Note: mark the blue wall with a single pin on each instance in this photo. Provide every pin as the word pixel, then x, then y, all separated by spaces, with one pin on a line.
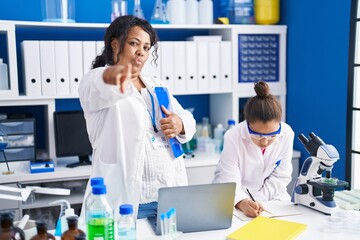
pixel 317 65
pixel 317 60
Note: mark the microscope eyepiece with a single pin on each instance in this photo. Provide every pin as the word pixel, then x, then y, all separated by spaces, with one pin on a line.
pixel 312 144
pixel 303 139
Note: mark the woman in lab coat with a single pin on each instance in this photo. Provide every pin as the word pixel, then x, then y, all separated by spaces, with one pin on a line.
pixel 257 154
pixel 128 134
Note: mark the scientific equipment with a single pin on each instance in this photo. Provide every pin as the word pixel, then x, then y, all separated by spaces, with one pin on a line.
pixel 267 11
pixel 231 124
pixel 159 15
pixel 4 80
pixel 310 190
pixel 42 232
pixel 7 230
pixel 58 10
pixel 126 223
pixel 206 14
pixel 241 11
pixel 192 11
pixel 138 12
pixel 99 215
pixel 219 137
pixel 65 212
pixel 4 141
pixel 73 230
pixel 119 8
pixel 168 225
pixel 176 11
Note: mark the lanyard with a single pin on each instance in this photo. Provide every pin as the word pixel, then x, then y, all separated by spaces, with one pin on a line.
pixel 153 112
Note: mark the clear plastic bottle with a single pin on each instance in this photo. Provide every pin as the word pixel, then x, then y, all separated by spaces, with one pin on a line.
pixel 42 232
pixel 126 223
pixel 72 229
pixel 99 215
pixel 192 11
pixel 206 12
pixel 219 137
pixel 231 123
pixel 4 80
pixel 7 230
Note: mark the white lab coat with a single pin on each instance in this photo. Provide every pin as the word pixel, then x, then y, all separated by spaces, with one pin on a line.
pixel 116 127
pixel 242 162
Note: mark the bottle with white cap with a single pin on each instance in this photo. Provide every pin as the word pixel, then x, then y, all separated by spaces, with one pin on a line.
pixel 4 80
pixel 192 11
pixel 206 14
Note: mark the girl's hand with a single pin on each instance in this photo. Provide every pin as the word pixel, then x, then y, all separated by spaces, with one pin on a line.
pixel 118 75
pixel 249 207
pixel 172 124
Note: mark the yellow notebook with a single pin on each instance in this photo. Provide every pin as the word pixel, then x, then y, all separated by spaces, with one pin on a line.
pixel 268 228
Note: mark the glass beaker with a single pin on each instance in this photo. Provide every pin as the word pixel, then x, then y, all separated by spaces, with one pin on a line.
pixel 58 10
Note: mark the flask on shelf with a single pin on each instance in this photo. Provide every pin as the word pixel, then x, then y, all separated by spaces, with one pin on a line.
pixel 72 229
pixel 206 14
pixel 266 11
pixel 99 215
pixel 192 11
pixel 119 8
pixel 126 223
pixel 4 80
pixel 138 12
pixel 241 11
pixel 159 15
pixel 42 232
pixel 7 229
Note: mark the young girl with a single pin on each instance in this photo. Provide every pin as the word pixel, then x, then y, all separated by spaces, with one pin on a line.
pixel 257 153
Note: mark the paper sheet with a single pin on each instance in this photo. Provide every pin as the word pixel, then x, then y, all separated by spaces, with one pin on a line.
pixel 276 208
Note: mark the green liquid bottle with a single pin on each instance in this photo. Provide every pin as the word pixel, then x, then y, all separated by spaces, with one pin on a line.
pixel 99 215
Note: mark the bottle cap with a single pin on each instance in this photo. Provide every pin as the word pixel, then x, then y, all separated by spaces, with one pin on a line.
pixel 219 125
pixel 1 60
pixel 99 189
pixel 69 212
pixel 97 181
pixel 126 209
pixel 231 121
pixel 41 225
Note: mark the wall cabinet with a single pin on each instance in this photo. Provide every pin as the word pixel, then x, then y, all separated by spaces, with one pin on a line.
pixel 223 102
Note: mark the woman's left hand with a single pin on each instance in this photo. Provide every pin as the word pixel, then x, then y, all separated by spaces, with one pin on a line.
pixel 172 124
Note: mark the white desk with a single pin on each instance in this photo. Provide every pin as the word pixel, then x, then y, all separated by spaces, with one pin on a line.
pixel 315 221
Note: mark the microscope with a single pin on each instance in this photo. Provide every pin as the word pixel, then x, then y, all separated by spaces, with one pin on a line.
pixel 311 188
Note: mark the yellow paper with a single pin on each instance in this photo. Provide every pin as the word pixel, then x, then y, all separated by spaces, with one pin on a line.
pixel 268 228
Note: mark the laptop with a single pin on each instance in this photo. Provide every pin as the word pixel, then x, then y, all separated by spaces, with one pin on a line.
pixel 198 207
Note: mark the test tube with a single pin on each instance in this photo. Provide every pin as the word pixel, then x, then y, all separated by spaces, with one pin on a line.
pixel 162 224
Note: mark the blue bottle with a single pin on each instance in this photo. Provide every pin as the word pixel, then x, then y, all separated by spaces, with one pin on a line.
pixel 240 11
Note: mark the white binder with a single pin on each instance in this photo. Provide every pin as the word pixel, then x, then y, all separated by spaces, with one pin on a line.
pixel 75 66
pixel 179 67
pixel 62 75
pixel 225 66
pixel 191 66
pixel 47 66
pixel 89 54
pixel 214 65
pixel 203 64
pixel 167 64
pixel 30 51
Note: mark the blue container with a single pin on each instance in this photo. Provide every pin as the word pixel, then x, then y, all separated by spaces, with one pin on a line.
pixel 238 11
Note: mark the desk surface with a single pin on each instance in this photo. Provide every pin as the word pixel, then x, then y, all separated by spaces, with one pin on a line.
pixel 316 224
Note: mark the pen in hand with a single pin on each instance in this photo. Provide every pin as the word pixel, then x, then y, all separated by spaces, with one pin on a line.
pixel 252 198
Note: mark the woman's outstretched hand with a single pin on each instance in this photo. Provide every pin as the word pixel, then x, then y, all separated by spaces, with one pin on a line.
pixel 118 75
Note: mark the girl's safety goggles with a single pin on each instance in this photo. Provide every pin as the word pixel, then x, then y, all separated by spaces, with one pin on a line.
pixel 267 136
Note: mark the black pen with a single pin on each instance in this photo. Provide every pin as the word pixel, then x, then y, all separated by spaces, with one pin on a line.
pixel 252 198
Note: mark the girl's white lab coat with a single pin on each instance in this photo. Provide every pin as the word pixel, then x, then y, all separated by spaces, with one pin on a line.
pixel 116 127
pixel 266 176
